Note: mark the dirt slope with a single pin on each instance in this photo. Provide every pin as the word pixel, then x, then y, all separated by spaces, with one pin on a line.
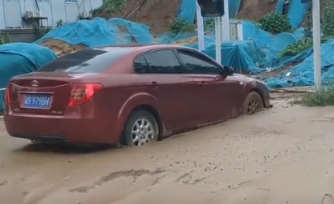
pixel 254 9
pixel 158 14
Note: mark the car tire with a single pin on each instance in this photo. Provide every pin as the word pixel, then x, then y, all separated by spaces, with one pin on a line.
pixel 253 103
pixel 140 128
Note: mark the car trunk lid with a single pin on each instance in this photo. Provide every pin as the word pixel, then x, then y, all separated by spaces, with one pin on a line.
pixel 42 93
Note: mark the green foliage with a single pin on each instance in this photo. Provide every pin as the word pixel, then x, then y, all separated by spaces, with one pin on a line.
pixel 209 25
pixel 4 38
pixel 297 47
pixel 327 28
pixel 59 23
pixel 327 19
pixel 325 97
pixel 109 7
pixel 180 25
pixel 302 45
pixel 275 23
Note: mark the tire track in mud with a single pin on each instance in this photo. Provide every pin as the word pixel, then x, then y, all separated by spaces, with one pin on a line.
pixel 3 183
pixel 186 178
pixel 135 174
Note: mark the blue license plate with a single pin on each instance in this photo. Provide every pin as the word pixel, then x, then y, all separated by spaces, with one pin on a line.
pixel 37 101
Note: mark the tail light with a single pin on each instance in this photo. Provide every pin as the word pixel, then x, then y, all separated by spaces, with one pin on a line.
pixel 8 93
pixel 82 93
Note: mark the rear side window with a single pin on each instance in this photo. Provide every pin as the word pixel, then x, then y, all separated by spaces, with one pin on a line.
pixel 88 60
pixel 141 65
pixel 163 62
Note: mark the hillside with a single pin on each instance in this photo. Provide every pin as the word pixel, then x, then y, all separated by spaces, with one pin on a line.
pixel 254 9
pixel 159 14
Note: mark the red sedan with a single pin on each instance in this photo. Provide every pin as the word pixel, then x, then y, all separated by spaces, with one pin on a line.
pixel 127 94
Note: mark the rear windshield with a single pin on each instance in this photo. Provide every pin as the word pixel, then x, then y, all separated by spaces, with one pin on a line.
pixel 87 60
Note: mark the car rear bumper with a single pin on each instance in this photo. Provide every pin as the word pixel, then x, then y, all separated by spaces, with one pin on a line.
pixel 80 131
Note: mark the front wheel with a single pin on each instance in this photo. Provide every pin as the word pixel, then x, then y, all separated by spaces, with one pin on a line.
pixel 253 103
pixel 140 128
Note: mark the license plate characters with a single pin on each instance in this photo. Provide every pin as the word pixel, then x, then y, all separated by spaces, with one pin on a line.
pixel 37 101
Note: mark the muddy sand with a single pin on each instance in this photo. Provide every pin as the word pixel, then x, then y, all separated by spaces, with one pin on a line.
pixel 283 155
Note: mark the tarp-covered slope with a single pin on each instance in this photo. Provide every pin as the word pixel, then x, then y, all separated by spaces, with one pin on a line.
pixel 303 74
pixel 21 58
pixel 101 32
pixel 259 52
pixel 245 57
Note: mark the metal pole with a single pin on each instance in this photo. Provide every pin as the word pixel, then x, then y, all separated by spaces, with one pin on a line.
pixel 316 43
pixel 226 22
pixel 200 28
pixel 218 32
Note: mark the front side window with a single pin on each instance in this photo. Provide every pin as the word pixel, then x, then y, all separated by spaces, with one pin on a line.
pixel 163 62
pixel 87 60
pixel 196 63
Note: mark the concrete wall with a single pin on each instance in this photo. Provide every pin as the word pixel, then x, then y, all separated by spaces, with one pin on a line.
pixel 21 35
pixel 12 11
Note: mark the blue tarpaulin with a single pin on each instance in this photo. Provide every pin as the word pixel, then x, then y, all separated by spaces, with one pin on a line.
pixel 21 58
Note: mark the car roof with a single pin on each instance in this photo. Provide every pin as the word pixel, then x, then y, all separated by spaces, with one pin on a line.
pixel 125 63
pixel 139 47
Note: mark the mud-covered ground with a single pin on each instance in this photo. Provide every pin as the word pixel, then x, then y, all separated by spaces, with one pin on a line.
pixel 283 155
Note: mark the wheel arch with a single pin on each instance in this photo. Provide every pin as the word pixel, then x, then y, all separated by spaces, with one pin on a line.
pixel 153 111
pixel 258 91
pixel 254 86
pixel 139 101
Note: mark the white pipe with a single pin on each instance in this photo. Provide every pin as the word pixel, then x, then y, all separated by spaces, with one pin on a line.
pixel 240 31
pixel 226 22
pixel 218 32
pixel 200 28
pixel 316 44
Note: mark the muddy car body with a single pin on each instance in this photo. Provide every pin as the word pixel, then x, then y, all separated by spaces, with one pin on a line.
pixel 127 94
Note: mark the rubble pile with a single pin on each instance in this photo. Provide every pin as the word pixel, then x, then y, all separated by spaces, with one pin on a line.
pixel 61 48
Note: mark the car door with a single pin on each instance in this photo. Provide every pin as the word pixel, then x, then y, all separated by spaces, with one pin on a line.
pixel 174 91
pixel 215 94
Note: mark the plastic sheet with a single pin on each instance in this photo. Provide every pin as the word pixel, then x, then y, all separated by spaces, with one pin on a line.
pixel 234 7
pixel 297 12
pixel 21 58
pixel 187 10
pixel 302 74
pixel 100 32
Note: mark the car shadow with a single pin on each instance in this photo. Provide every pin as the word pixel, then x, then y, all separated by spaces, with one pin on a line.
pixel 67 148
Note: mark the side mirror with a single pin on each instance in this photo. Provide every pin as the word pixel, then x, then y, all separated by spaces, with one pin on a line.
pixel 227 70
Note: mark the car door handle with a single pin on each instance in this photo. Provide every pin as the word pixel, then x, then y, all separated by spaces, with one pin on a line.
pixel 153 84
pixel 202 83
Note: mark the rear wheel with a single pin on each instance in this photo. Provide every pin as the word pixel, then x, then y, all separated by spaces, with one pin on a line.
pixel 140 129
pixel 253 103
